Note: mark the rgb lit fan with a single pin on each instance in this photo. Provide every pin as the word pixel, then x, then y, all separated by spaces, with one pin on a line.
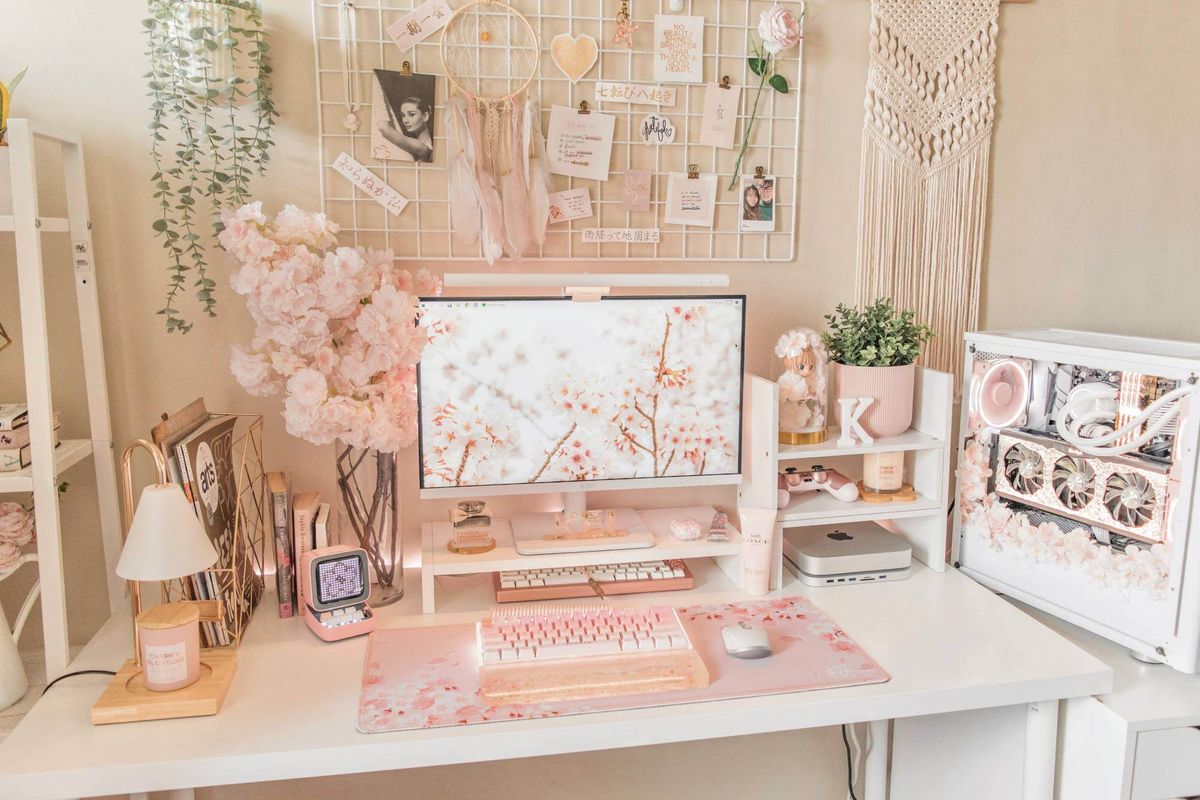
pixel 1023 469
pixel 1129 498
pixel 1074 482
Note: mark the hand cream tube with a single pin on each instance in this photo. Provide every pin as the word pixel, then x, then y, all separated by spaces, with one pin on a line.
pixel 758 534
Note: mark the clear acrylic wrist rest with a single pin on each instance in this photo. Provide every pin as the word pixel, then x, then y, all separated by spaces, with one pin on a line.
pixel 544 653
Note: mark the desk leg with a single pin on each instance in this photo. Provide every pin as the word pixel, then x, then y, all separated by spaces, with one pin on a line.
pixel 1041 743
pixel 875 766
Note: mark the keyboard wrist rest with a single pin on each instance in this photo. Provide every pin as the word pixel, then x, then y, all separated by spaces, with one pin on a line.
pixel 594 676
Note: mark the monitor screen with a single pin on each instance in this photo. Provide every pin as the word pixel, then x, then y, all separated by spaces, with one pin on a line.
pixel 547 391
pixel 339 579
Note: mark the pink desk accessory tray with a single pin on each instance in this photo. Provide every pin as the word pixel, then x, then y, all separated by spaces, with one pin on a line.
pixel 418 678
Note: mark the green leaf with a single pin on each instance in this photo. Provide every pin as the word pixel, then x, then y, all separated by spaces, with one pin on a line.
pixel 159 225
pixel 778 83
pixel 757 65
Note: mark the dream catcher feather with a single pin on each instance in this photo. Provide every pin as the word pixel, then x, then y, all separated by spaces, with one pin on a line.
pixel 498 176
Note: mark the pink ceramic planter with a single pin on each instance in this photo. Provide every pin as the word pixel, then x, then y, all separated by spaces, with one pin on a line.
pixel 892 387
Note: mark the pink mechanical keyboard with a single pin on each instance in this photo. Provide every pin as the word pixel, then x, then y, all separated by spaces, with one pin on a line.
pixel 541 653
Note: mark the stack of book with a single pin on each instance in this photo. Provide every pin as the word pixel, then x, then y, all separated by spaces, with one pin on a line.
pixel 15 452
pixel 302 523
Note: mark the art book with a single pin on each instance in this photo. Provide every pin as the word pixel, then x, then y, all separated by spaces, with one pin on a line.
pixel 209 464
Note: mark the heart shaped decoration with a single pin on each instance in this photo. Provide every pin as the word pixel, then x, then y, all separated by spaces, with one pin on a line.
pixel 574 55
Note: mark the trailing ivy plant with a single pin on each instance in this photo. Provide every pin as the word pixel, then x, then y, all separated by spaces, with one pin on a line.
pixel 211 130
pixel 876 336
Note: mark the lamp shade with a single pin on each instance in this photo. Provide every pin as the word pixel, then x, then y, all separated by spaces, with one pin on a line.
pixel 166 539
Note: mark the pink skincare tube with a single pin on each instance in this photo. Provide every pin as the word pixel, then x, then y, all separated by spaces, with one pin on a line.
pixel 758 533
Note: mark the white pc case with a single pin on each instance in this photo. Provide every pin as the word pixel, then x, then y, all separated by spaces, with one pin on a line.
pixel 1077 481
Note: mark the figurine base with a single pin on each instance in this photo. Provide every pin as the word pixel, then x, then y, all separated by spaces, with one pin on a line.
pixel 811 437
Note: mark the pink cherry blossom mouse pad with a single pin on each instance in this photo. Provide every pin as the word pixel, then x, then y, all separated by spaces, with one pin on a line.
pixel 426 677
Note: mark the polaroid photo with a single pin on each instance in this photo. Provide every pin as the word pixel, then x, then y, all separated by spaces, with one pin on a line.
pixel 758 204
pixel 402 116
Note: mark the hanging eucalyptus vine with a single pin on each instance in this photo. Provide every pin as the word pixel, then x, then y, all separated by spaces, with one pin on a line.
pixel 211 123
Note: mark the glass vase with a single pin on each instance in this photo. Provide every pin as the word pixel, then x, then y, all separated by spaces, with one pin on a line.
pixel 367 484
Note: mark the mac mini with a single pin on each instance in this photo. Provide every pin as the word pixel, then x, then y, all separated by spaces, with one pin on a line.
pixel 855 552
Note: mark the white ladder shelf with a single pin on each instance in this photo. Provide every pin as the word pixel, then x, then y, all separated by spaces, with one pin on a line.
pixel 42 477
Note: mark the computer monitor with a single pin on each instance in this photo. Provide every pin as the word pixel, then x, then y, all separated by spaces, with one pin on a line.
pixel 522 395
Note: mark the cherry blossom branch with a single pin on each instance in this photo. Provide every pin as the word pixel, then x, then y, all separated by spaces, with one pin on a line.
pixel 553 451
pixel 462 464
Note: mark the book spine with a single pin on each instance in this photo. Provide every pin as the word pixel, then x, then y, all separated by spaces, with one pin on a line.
pixel 15 458
pixel 302 535
pixel 284 568
pixel 201 584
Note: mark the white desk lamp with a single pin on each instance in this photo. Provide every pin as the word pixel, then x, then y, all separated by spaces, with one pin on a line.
pixel 165 541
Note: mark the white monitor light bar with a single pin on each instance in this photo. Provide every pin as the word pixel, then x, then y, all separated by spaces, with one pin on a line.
pixel 583 286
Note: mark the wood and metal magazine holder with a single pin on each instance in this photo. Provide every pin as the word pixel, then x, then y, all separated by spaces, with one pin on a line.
pixel 251 520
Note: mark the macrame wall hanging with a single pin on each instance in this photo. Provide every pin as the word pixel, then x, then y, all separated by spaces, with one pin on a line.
pixel 498 176
pixel 926 144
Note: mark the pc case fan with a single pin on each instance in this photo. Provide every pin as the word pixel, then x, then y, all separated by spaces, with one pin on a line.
pixel 1130 499
pixel 1122 494
pixel 1074 482
pixel 1023 468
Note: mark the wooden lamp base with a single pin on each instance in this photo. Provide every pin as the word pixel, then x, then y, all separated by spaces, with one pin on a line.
pixel 128 700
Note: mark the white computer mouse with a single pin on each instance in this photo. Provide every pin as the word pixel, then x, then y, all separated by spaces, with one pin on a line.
pixel 745 640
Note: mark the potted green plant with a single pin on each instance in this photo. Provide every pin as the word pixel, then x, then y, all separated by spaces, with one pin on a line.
pixel 873 350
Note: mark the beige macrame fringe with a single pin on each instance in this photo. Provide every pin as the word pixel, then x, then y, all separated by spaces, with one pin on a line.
pixel 924 172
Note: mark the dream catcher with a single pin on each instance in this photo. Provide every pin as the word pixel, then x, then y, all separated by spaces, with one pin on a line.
pixel 498 177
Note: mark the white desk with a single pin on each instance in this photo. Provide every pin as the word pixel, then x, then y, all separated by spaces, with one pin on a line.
pixel 949 644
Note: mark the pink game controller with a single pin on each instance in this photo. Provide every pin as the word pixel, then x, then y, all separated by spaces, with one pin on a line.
pixel 818 478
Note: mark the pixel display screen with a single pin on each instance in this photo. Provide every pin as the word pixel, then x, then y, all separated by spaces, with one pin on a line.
pixel 339 579
pixel 532 391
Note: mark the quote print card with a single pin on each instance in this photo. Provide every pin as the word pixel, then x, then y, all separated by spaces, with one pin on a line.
pixel 635 190
pixel 579 145
pixel 720 115
pixel 678 49
pixel 690 201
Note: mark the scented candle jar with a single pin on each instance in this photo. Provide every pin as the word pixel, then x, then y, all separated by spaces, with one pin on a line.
pixel 883 473
pixel 170 646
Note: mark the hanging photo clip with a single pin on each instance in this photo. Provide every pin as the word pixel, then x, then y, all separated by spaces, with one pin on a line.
pixel 760 173
pixel 584 108
pixel 693 172
pixel 725 82
pixel 406 68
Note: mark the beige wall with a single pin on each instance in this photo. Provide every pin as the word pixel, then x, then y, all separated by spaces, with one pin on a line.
pixel 1093 225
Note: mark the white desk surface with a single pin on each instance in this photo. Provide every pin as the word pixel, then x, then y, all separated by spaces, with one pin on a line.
pixel 1146 696
pixel 949 644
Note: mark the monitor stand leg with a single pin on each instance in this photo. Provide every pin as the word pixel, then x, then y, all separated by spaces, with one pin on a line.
pixel 574 502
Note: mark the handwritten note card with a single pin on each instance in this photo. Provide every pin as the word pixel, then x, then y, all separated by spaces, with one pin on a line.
pixel 621 235
pixel 425 19
pixel 638 93
pixel 656 129
pixel 579 145
pixel 720 115
pixel 375 187
pixel 635 190
pixel 570 204
pixel 678 49
pixel 690 201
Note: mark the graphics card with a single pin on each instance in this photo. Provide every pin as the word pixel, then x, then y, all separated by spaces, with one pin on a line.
pixel 1121 494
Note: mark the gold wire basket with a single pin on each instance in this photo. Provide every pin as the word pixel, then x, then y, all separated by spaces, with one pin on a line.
pixel 238 584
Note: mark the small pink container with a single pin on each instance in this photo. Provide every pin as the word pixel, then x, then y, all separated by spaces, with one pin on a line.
pixel 170 639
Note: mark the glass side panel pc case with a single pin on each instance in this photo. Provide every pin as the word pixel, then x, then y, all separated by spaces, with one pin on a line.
pixel 1077 482
pixel 334 587
pixel 523 395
